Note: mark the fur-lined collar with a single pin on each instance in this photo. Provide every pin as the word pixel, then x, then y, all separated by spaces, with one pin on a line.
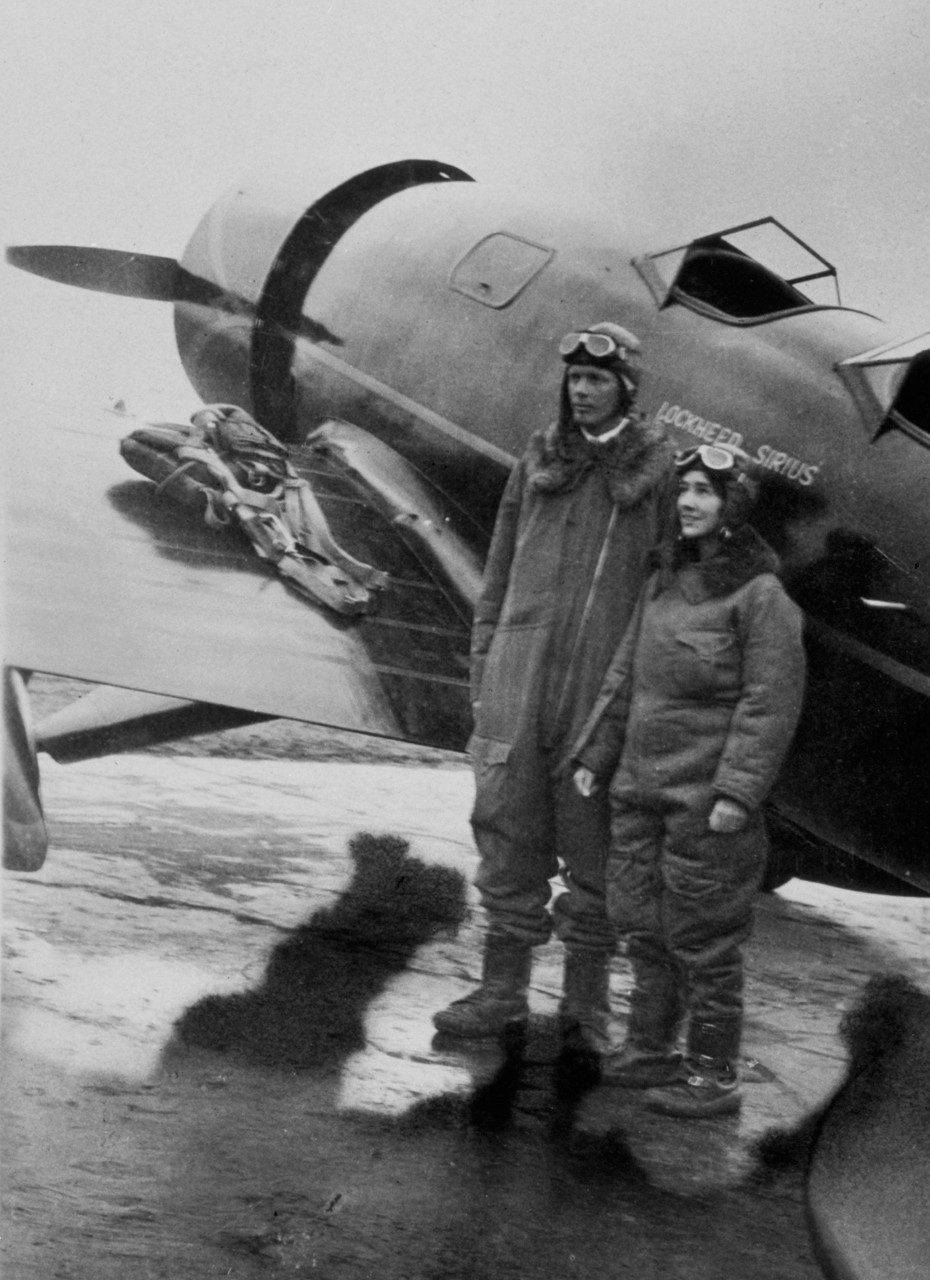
pixel 633 463
pixel 742 556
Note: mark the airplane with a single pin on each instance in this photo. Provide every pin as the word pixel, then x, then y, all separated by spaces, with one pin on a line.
pixel 398 331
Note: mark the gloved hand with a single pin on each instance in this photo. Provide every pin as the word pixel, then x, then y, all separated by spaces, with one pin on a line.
pixel 727 816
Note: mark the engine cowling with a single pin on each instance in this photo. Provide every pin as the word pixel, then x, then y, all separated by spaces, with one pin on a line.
pixel 257 252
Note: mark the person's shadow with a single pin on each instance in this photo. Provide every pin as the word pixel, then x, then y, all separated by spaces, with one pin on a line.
pixel 308 1013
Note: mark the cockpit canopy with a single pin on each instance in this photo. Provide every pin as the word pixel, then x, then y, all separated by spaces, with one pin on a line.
pixel 892 385
pixel 754 273
pixel 742 275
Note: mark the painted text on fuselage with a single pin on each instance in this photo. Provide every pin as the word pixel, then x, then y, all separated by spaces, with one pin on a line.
pixel 766 456
pixel 674 415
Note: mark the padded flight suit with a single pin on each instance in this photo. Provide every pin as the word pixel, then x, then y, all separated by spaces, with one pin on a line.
pixel 701 701
pixel 563 574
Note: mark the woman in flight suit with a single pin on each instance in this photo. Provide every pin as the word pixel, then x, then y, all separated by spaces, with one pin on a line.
pixel 695 716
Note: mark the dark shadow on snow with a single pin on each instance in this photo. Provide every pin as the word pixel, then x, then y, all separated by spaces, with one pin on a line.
pixel 309 1011
pixel 504 1177
pixel 865 1154
pixel 874 1031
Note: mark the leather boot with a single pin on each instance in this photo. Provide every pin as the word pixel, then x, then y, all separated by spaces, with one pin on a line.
pixel 500 1003
pixel 584 1012
pixel 708 1083
pixel 648 1057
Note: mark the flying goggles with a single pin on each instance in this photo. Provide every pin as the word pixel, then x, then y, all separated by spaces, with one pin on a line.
pixel 597 345
pixel 711 456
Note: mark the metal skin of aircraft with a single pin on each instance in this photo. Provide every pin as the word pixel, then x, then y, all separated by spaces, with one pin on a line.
pixel 399 332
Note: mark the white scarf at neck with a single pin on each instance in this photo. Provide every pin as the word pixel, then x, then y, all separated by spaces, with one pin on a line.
pixel 607 435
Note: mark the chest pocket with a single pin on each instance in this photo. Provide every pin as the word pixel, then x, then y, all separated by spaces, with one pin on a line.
pixel 709 664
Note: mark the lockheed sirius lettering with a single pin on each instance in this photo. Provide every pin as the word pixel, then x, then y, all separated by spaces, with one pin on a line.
pixel 785 464
pixel 674 415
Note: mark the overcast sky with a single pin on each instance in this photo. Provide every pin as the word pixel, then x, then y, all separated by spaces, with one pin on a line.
pixel 123 122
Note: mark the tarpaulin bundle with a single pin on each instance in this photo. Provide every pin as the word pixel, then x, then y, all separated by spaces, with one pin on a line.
pixel 235 472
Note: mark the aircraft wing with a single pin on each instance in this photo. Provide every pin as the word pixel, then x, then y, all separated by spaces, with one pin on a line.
pixel 108 582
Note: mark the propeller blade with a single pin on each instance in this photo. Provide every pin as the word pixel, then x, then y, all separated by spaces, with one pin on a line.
pixel 140 275
pixel 133 275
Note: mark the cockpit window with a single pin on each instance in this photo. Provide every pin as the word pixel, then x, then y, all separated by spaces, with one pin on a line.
pixel 738 286
pixel 498 268
pixel 912 403
pixel 745 274
pixel 892 386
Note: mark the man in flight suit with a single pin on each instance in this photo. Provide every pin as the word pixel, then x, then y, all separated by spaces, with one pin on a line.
pixel 581 511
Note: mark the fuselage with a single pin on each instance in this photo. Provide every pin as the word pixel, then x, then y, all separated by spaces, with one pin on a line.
pixel 440 307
